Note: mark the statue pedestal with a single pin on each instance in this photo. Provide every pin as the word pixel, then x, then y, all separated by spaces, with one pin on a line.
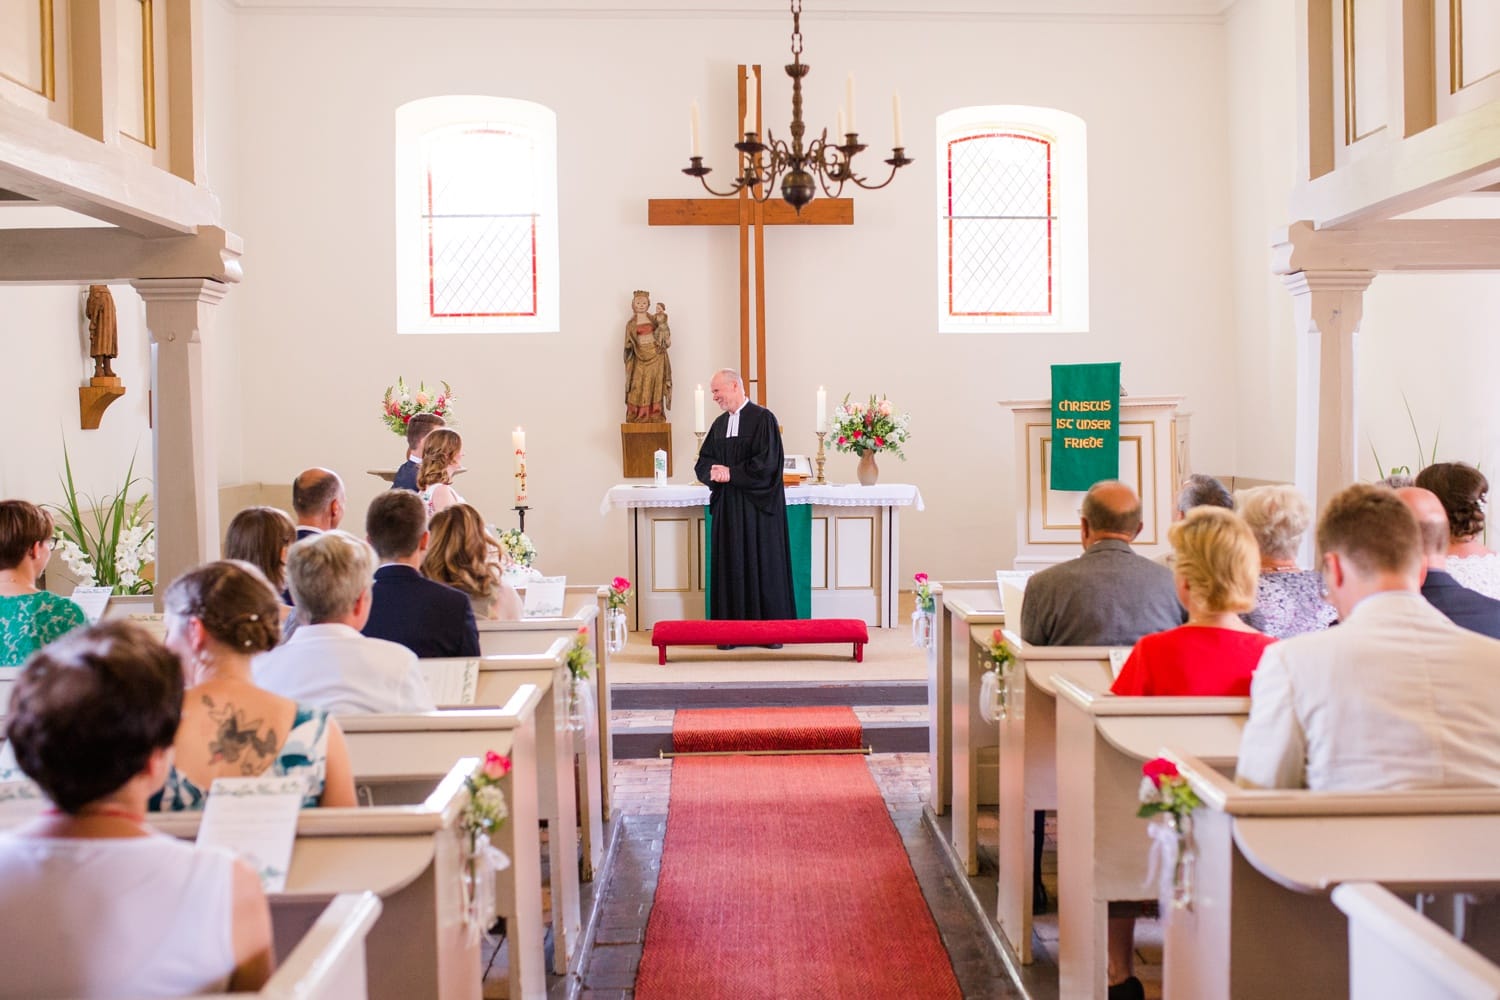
pixel 638 446
pixel 94 399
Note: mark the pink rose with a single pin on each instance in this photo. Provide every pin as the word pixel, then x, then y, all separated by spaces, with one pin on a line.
pixel 1158 768
pixel 920 577
pixel 885 407
pixel 422 399
pixel 880 442
pixel 620 583
pixel 583 632
pixel 997 636
pixel 842 439
pixel 495 766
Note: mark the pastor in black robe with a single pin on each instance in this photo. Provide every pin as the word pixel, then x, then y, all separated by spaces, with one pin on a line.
pixel 751 575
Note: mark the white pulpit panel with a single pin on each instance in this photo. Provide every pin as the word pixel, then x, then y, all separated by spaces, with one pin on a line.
pixel 854 541
pixel 1052 515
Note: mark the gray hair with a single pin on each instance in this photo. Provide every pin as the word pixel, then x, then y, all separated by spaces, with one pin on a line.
pixel 1278 517
pixel 1199 490
pixel 327 573
pixel 732 375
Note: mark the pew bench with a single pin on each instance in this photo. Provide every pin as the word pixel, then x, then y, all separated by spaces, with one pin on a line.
pixel 1395 952
pixel 721 632
pixel 329 962
pixel 1102 846
pixel 1262 921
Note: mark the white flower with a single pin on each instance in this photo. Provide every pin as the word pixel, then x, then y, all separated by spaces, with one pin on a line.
pixel 1151 792
pixel 492 801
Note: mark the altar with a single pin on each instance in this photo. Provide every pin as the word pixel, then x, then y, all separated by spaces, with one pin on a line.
pixel 853 559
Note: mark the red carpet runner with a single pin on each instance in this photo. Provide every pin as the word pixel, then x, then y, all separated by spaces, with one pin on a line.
pixel 783 877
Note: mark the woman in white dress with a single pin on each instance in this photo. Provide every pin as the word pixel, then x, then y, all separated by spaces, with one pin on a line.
pixel 1463 491
pixel 442 456
pixel 93 902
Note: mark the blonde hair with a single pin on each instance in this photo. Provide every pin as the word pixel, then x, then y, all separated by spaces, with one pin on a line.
pixel 1217 557
pixel 439 451
pixel 328 572
pixel 1278 516
pixel 458 552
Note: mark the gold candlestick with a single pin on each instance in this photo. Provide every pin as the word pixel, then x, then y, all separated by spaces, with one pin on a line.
pixel 821 435
pixel 699 436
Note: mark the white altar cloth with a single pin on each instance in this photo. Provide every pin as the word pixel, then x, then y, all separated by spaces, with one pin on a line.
pixel 825 495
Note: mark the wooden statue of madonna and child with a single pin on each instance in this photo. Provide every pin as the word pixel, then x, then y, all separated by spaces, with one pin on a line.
pixel 648 388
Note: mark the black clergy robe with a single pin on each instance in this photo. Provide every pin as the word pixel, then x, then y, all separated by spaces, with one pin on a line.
pixel 751 573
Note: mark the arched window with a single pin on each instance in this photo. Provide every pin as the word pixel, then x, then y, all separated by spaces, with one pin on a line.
pixel 1013 220
pixel 476 216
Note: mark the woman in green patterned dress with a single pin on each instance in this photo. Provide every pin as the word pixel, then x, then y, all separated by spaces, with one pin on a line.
pixel 29 618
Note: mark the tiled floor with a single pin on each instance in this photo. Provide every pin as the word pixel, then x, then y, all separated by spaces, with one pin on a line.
pixel 642 788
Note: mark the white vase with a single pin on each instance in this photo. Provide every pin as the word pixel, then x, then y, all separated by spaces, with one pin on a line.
pixel 615 630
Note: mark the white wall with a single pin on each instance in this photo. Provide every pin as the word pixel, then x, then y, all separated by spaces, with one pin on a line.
pixel 849 308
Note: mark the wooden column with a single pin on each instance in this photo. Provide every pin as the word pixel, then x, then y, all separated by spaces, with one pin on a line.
pixel 1328 306
pixel 186 474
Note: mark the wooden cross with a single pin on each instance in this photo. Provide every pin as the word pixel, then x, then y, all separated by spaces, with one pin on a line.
pixel 752 217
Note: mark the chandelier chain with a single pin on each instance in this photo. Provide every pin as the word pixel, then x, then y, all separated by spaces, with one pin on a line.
pixel 796 30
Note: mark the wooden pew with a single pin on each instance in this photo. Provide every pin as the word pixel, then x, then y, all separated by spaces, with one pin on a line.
pixel 962 747
pixel 1102 847
pixel 501 646
pixel 1028 765
pixel 1396 953
pixel 582 605
pixel 8 677
pixel 329 962
pixel 392 754
pixel 408 856
pixel 1262 923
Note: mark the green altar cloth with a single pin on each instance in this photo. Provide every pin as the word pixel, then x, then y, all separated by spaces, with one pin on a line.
pixel 799 538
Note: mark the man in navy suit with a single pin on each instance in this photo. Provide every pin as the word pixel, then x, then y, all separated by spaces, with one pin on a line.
pixel 417 429
pixel 1464 607
pixel 318 501
pixel 427 617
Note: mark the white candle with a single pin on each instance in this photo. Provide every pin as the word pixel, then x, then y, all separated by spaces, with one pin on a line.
pixel 698 410
pixel 822 410
pixel 896 117
pixel 518 444
pixel 849 101
pixel 693 116
pixel 750 125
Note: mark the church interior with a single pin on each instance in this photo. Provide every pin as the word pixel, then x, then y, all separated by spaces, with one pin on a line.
pixel 1281 218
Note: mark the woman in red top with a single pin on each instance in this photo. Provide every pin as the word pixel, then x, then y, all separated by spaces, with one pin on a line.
pixel 1215 653
pixel 1216 569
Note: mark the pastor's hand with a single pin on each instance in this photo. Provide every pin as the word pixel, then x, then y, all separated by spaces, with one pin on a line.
pixel 719 473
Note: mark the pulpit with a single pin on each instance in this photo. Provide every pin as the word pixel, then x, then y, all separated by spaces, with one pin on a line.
pixel 1153 461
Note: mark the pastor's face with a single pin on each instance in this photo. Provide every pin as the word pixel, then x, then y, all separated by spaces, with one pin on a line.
pixel 727 394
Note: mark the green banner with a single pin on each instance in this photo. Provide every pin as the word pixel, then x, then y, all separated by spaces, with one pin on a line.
pixel 799 536
pixel 1085 425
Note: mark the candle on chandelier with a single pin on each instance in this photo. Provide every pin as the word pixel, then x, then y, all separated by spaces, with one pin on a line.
pixel 896 118
pixel 693 117
pixel 698 410
pixel 822 410
pixel 750 124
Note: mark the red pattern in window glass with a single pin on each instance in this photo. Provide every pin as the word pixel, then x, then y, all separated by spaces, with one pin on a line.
pixel 481 250
pixel 991 235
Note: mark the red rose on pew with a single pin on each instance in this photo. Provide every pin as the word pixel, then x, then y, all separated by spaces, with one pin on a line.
pixel 583 632
pixel 495 765
pixel 920 577
pixel 1159 768
pixel 620 583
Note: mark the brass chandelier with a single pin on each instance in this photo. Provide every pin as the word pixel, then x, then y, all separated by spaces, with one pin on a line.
pixel 802 170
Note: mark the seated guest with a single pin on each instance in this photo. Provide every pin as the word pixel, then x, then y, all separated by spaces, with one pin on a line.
pixel 218 617
pixel 29 618
pixel 1463 606
pixel 417 429
pixel 1462 489
pixel 1214 653
pixel 442 456
pixel 1288 599
pixel 327 663
pixel 463 554
pixel 318 501
pixel 1397 696
pixel 1199 490
pixel 261 536
pixel 93 903
pixel 1109 596
pixel 427 617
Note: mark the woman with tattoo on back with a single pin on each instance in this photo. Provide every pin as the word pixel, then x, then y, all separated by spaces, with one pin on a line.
pixel 218 617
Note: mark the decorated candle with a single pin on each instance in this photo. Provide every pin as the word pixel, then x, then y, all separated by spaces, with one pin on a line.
pixel 518 444
pixel 822 410
pixel 698 424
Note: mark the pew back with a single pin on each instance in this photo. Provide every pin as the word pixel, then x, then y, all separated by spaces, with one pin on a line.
pixel 1395 952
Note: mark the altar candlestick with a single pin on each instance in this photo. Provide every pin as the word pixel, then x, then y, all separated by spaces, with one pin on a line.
pixel 822 410
pixel 693 116
pixel 698 424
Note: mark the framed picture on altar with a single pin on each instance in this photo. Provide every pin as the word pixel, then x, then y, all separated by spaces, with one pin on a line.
pixel 799 464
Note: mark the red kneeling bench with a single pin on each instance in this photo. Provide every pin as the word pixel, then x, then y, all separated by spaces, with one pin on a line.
pixel 759 633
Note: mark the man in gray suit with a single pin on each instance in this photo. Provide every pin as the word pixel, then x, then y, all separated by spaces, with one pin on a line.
pixel 1109 596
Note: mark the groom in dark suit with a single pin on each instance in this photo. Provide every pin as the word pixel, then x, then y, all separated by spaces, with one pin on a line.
pixel 427 617
pixel 417 429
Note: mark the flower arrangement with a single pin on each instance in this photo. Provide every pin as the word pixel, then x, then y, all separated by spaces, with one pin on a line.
pixel 110 544
pixel 517 546
pixel 923 593
pixel 1166 794
pixel 484 814
pixel 400 404
pixel 580 655
pixel 999 653
pixel 619 591
pixel 875 426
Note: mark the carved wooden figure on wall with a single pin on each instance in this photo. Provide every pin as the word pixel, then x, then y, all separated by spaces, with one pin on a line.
pixel 104 346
